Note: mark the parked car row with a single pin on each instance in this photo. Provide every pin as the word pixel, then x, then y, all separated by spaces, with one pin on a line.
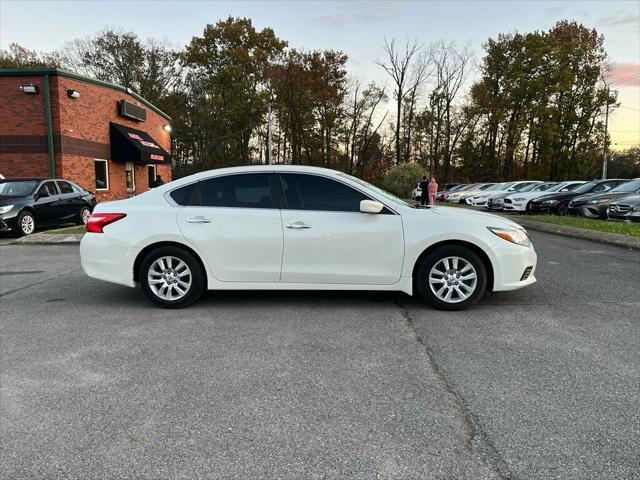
pixel 617 199
pixel 30 203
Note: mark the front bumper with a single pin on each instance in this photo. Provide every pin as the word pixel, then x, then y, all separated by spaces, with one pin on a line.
pixel 8 221
pixel 628 217
pixel 510 265
pixel 588 211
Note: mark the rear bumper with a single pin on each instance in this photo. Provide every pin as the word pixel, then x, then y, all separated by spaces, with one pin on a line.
pixel 107 259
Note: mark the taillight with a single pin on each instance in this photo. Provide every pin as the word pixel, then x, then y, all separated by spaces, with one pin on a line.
pixel 97 221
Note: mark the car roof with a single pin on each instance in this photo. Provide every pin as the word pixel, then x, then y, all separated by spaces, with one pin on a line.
pixel 25 179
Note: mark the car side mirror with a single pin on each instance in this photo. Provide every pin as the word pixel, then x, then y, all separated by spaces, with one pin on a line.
pixel 371 206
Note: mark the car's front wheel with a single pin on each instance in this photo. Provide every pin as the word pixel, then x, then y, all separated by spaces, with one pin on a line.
pixel 171 277
pixel 452 277
pixel 26 223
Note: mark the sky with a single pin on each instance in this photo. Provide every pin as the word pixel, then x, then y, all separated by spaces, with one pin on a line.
pixel 358 28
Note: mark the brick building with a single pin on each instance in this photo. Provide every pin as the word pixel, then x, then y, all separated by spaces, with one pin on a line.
pixel 105 138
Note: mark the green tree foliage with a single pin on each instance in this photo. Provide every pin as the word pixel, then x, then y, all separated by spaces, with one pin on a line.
pixel 539 105
pixel 16 56
pixel 150 68
pixel 403 178
pixel 227 76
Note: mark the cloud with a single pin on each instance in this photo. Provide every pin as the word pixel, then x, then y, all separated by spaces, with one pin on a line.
pixel 360 13
pixel 627 74
pixel 621 19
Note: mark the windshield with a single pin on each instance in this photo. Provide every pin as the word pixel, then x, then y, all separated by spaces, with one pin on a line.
pixel 18 188
pixel 585 187
pixel 379 191
pixel 544 187
pixel 523 187
pixel 505 186
pixel 629 187
pixel 487 186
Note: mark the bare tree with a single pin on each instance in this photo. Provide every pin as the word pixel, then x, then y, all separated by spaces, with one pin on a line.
pixel 408 71
pixel 451 70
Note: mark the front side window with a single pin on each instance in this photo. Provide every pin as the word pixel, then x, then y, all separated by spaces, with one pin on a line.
pixel 47 188
pixel 251 190
pixel 64 187
pixel 312 192
pixel 102 175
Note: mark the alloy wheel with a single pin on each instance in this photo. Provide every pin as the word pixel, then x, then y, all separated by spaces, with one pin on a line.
pixel 169 278
pixel 27 224
pixel 84 215
pixel 453 279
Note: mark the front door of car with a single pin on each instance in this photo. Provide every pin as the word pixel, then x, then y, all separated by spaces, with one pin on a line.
pixel 327 240
pixel 234 221
pixel 48 205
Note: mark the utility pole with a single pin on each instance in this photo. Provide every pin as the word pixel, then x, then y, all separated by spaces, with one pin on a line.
pixel 606 137
pixel 269 136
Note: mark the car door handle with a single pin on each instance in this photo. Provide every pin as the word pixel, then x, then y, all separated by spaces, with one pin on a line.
pixel 298 225
pixel 198 220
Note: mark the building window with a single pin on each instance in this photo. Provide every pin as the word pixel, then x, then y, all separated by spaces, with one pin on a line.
pixel 152 174
pixel 102 175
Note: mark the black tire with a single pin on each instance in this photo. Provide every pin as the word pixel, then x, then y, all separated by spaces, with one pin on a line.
pixel 20 229
pixel 421 279
pixel 197 277
pixel 563 210
pixel 81 216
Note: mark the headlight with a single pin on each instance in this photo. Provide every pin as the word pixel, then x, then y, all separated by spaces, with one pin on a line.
pixel 519 199
pixel 5 208
pixel 636 209
pixel 513 235
pixel 550 202
pixel 600 200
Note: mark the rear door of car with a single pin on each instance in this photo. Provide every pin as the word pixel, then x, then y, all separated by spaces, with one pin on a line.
pixel 327 240
pixel 234 220
pixel 71 201
pixel 48 204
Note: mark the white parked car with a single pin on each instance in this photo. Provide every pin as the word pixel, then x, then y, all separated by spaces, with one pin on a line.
pixel 519 202
pixel 299 228
pixel 460 197
pixel 482 198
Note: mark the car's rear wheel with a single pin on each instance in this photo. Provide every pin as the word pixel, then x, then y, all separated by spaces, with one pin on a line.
pixel 26 223
pixel 171 277
pixel 452 277
pixel 83 216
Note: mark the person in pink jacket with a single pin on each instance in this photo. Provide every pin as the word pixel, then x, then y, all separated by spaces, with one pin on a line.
pixel 433 189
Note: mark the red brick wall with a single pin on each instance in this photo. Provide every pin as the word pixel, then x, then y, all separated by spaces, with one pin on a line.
pixel 85 118
pixel 22 114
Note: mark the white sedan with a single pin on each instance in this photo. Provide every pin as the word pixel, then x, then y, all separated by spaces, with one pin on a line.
pixel 300 228
pixel 520 202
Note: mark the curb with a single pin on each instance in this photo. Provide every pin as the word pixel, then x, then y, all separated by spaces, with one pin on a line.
pixel 614 239
pixel 48 239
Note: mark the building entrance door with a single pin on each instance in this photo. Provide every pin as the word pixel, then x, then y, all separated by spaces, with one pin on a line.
pixel 130 176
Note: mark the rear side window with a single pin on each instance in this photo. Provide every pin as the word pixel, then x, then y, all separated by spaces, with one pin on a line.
pixel 64 187
pixel 183 195
pixel 251 190
pixel 311 192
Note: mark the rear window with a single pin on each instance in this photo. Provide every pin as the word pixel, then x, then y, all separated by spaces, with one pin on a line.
pixel 182 196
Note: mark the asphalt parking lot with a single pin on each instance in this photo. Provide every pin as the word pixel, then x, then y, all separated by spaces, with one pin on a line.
pixel 539 383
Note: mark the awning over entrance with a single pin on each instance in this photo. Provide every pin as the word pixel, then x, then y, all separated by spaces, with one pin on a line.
pixel 131 145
